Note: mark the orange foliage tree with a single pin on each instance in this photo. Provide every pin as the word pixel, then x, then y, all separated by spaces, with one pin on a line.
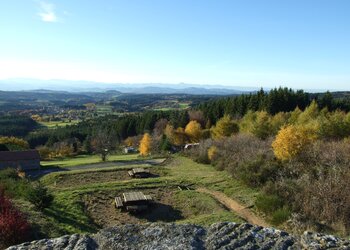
pixel 145 145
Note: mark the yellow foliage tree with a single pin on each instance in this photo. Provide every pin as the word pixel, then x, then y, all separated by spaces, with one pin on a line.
pixel 145 145
pixel 176 136
pixel 212 151
pixel 194 131
pixel 224 127
pixel 291 140
pixel 14 142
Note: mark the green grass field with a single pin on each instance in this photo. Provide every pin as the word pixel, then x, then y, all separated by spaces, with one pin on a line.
pixel 87 159
pixel 68 213
pixel 55 124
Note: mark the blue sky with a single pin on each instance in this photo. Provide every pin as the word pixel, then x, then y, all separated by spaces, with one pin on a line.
pixel 294 43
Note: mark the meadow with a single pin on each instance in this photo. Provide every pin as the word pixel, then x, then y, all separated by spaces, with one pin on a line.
pixel 84 198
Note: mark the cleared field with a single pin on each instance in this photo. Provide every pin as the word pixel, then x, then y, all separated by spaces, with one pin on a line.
pixel 55 124
pixel 84 199
pixel 170 205
pixel 87 159
pixel 82 178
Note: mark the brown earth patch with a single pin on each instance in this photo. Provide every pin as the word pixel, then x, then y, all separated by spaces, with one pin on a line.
pixel 100 207
pixel 80 179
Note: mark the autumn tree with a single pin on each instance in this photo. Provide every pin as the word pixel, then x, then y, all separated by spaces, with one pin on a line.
pixel 224 127
pixel 176 136
pixel 159 127
pixel 14 143
pixel 194 131
pixel 103 143
pixel 212 152
pixel 262 125
pixel 291 140
pixel 197 115
pixel 145 145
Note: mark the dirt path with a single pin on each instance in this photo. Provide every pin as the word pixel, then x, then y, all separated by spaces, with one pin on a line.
pixel 235 206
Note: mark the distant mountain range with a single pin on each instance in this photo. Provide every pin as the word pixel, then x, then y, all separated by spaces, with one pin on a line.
pixel 146 88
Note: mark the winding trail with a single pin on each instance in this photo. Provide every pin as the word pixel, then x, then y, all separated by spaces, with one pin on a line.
pixel 235 206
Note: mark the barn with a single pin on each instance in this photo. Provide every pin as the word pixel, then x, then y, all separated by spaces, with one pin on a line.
pixel 25 160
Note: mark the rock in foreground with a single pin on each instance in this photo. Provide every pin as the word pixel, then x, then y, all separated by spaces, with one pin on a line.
pixel 171 236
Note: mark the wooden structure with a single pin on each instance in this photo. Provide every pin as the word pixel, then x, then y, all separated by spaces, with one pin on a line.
pixel 130 150
pixel 133 201
pixel 23 160
pixel 139 173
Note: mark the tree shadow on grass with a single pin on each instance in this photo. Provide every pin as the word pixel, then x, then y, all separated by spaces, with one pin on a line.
pixel 159 212
pixel 70 219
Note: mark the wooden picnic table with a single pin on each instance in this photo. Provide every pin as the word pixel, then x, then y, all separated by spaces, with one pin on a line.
pixel 133 201
pixel 139 172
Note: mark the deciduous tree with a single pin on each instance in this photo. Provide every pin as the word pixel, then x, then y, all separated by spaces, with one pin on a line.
pixel 145 145
pixel 194 131
pixel 224 127
pixel 291 139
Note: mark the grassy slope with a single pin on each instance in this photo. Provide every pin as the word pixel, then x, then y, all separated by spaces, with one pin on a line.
pixel 67 213
pixel 87 159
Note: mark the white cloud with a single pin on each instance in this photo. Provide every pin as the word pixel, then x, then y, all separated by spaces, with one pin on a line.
pixel 47 12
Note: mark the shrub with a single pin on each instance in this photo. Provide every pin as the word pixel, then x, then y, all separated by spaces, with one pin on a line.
pixel 14 228
pixel 200 153
pixel 280 215
pixel 39 196
pixel 212 151
pixel 240 149
pixel 256 173
pixel 268 203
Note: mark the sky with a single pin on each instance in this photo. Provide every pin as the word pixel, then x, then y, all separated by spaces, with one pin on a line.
pixel 293 43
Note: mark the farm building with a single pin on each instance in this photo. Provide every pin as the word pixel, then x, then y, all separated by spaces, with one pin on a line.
pixel 133 201
pixel 25 160
pixel 130 150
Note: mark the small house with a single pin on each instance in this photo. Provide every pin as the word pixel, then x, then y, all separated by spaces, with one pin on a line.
pixel 139 173
pixel 129 150
pixel 133 201
pixel 24 160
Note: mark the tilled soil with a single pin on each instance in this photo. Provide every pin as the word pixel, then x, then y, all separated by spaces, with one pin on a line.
pixel 80 179
pixel 100 207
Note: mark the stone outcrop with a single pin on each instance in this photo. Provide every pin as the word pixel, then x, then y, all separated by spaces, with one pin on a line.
pixel 226 235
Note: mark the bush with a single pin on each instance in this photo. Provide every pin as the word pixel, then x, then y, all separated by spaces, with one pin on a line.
pixel 200 153
pixel 8 173
pixel 268 203
pixel 39 196
pixel 256 173
pixel 14 228
pixel 239 150
pixel 280 215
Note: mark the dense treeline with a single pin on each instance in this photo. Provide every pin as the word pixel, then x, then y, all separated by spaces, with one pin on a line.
pixel 16 125
pixel 274 101
pixel 120 126
pixel 299 160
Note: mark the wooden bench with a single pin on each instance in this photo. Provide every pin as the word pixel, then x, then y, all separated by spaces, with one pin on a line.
pixel 118 202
